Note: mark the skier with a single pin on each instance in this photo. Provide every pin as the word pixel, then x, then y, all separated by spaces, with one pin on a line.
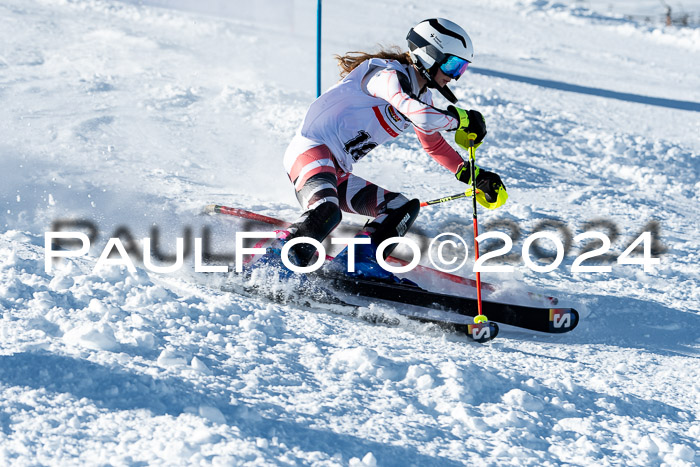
pixel 379 96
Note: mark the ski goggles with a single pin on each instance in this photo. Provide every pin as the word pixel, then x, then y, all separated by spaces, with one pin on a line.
pixel 454 67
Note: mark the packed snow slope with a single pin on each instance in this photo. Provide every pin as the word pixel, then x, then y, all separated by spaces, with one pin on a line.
pixel 132 116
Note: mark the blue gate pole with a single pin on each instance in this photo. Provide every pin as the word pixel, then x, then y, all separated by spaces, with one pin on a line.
pixel 318 49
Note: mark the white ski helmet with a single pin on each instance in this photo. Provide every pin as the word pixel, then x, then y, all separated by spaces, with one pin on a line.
pixel 432 42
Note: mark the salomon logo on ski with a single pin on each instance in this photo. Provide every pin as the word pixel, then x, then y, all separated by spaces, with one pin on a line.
pixel 561 320
pixel 482 332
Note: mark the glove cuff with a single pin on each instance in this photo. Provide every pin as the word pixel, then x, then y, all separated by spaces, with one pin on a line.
pixel 460 114
pixel 464 173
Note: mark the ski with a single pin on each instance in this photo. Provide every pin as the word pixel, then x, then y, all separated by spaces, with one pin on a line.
pixel 549 320
pixel 313 297
pixel 403 298
pixel 245 214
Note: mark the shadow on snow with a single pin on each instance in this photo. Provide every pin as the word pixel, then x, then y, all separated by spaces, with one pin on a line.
pixel 623 96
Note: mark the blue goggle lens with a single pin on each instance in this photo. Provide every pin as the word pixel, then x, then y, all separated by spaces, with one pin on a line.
pixel 454 67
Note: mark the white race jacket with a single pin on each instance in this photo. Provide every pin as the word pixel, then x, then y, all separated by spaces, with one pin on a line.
pixel 368 108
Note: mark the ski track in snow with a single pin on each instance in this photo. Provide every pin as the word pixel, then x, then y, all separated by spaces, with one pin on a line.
pixel 132 116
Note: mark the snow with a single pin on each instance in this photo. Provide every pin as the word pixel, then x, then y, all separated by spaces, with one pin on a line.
pixel 131 116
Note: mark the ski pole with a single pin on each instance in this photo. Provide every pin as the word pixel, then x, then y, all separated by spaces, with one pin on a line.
pixel 480 318
pixel 466 194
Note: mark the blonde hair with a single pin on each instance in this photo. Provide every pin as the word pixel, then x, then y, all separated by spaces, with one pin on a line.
pixel 351 60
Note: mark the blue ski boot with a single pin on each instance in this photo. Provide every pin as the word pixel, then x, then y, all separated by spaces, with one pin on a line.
pixel 270 277
pixel 272 258
pixel 366 265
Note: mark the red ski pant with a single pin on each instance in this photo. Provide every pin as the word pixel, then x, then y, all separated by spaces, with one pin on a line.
pixel 317 179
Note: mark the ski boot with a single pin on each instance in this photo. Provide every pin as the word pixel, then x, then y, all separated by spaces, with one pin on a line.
pixel 366 265
pixel 299 255
pixel 272 258
pixel 269 277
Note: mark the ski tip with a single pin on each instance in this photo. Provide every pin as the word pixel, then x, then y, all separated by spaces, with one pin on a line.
pixel 575 315
pixel 562 320
pixel 482 332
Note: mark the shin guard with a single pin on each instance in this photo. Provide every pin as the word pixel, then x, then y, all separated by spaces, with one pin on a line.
pixel 393 223
pixel 317 224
